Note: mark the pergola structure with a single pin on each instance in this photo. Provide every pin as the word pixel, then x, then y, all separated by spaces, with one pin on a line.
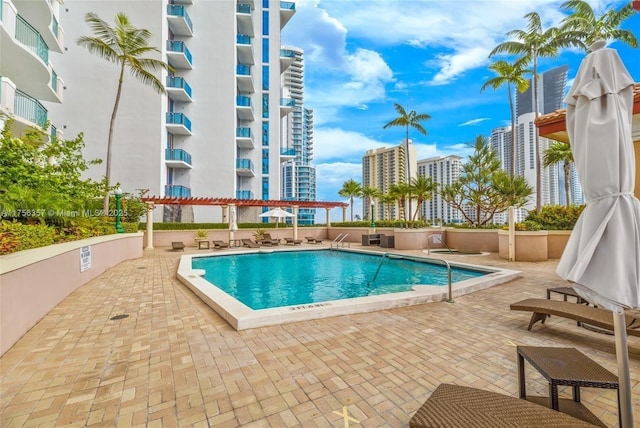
pixel 226 203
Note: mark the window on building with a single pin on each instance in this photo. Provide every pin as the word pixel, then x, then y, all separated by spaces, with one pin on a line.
pixel 265 134
pixel 265 77
pixel 265 161
pixel 265 23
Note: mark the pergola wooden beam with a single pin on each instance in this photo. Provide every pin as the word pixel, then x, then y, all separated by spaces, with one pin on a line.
pixel 168 200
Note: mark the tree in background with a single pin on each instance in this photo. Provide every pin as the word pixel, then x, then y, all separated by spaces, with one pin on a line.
pixel 589 28
pixel 422 189
pixel 483 187
pixel 512 74
pixel 532 44
pixel 401 192
pixel 369 194
pixel 406 120
pixel 387 200
pixel 126 46
pixel 556 153
pixel 351 189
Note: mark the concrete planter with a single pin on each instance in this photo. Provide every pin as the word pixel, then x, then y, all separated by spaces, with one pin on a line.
pixel 530 246
pixel 472 240
pixel 556 241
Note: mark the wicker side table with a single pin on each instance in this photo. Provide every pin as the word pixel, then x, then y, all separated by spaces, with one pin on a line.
pixel 569 367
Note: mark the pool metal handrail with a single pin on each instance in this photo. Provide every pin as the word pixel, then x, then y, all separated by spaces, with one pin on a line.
pixel 379 266
pixel 450 299
pixel 339 240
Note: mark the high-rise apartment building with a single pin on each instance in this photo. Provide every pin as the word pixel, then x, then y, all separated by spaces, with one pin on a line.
pixel 442 170
pixel 298 175
pixel 500 142
pixel 381 168
pixel 30 31
pixel 217 131
pixel 551 86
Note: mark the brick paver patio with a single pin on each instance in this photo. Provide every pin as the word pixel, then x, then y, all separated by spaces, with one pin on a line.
pixel 175 362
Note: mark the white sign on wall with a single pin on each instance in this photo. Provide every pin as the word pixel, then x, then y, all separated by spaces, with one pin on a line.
pixel 85 258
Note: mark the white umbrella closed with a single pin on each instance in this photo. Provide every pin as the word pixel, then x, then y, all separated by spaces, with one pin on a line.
pixel 602 256
pixel 233 223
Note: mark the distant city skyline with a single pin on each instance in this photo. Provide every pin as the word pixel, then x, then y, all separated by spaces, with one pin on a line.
pixel 431 57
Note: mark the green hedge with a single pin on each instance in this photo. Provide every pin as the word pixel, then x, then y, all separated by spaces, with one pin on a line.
pixel 556 217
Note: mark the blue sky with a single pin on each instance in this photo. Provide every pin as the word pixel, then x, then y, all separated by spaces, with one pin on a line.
pixel 431 56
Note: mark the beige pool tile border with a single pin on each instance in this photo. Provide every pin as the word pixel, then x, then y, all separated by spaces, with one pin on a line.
pixel 241 317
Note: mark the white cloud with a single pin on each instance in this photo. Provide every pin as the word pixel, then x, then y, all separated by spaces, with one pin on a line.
pixel 332 144
pixel 474 121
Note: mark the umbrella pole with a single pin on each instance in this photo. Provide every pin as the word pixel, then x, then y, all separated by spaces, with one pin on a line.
pixel 622 355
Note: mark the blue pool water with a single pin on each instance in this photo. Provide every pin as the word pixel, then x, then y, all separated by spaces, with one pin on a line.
pixel 270 280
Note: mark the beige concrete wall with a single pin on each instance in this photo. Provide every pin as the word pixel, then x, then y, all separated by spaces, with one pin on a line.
pixel 33 282
pixel 472 240
pixel 530 246
pixel 556 241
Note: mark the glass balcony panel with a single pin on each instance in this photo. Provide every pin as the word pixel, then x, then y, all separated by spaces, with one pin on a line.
pixel 177 155
pixel 178 123
pixel 28 36
pixel 244 194
pixel 178 88
pixel 178 55
pixel 177 191
pixel 30 109
pixel 179 20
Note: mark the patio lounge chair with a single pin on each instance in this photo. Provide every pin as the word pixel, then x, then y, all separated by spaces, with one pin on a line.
pixel 249 243
pixel 268 240
pixel 220 244
pixel 291 241
pixel 177 245
pixel 461 406
pixel 597 317
pixel 312 240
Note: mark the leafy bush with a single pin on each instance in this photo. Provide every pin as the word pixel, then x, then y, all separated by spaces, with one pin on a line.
pixel 15 236
pixel 556 217
pixel 527 226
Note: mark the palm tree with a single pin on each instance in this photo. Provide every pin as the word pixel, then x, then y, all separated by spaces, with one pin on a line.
pixel 532 44
pixel 422 189
pixel 126 46
pixel 589 28
pixel 401 192
pixel 351 189
pixel 556 153
pixel 368 195
pixel 511 74
pixel 408 119
pixel 387 199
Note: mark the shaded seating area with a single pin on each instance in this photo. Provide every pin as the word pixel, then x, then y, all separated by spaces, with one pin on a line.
pixel 177 245
pixel 291 241
pixel 543 308
pixel 460 406
pixel 219 245
pixel 312 240
pixel 249 243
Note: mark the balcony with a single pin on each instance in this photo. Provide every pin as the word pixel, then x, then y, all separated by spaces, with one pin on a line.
pixel 29 109
pixel 287 155
pixel 244 78
pixel 244 167
pixel 178 89
pixel 287 57
pixel 41 16
pixel 286 106
pixel 244 108
pixel 244 49
pixel 177 158
pixel 244 138
pixel 175 191
pixel 183 1
pixel 178 124
pixel 287 10
pixel 244 194
pixel 179 21
pixel 178 56
pixel 243 16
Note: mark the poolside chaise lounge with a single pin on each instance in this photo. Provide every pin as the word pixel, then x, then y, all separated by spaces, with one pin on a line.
pixel 291 241
pixel 597 317
pixel 312 240
pixel 220 244
pixel 249 243
pixel 461 406
pixel 268 240
pixel 177 245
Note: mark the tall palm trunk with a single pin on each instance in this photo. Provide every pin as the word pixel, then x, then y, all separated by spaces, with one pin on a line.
pixel 408 170
pixel 513 133
pixel 566 183
pixel 105 202
pixel 536 135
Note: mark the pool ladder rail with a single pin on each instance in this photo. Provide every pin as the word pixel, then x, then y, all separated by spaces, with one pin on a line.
pixel 447 264
pixel 339 240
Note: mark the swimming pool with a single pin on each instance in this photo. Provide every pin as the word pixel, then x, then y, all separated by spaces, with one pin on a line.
pixel 275 279
pixel 241 316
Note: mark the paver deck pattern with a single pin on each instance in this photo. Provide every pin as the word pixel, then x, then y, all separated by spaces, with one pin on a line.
pixel 174 362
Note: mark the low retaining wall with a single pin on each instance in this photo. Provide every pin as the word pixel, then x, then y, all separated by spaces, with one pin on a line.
pixel 33 282
pixel 472 240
